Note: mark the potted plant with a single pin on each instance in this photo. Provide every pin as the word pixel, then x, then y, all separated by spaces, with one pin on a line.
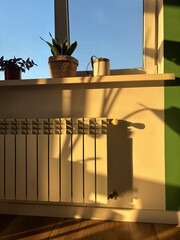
pixel 14 66
pixel 62 64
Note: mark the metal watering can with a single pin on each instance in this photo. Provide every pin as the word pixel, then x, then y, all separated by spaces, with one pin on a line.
pixel 100 66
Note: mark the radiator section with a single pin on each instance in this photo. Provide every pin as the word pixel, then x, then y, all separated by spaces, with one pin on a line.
pixel 54 160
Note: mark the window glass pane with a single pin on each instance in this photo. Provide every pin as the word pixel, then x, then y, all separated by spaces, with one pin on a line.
pixel 22 22
pixel 108 28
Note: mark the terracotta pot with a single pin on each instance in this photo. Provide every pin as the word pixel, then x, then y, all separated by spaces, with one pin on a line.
pixel 12 73
pixel 62 66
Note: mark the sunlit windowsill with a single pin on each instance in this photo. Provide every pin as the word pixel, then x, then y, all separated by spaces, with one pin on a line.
pixel 132 78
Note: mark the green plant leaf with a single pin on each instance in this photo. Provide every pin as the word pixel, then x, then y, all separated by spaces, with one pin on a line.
pixel 56 44
pixel 64 47
pixel 53 48
pixel 58 48
pixel 71 48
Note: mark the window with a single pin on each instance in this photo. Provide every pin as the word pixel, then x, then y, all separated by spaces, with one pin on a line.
pixel 152 13
pixel 22 22
pixel 111 29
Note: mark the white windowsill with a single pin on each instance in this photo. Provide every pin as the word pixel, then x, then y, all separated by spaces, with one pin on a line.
pixel 90 80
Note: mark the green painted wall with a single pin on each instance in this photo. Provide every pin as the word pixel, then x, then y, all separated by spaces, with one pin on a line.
pixel 172 103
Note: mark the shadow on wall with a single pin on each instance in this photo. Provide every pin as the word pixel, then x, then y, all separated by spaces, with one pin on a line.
pixel 120 161
pixel 172 43
pixel 144 204
pixel 172 120
pixel 120 164
pixel 172 52
pixel 172 3
pixel 173 123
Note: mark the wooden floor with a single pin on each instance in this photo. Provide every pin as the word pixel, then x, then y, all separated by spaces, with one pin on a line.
pixel 28 227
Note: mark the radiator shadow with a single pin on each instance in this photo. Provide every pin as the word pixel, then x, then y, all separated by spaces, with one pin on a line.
pixel 120 163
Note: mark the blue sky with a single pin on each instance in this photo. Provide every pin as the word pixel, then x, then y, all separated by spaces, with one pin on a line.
pixel 104 28
pixel 22 22
pixel 108 28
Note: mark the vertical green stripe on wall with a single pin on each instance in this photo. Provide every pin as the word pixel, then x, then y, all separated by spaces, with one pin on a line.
pixel 172 147
pixel 172 104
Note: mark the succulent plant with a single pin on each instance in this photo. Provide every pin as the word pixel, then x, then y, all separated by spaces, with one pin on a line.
pixel 58 48
pixel 16 62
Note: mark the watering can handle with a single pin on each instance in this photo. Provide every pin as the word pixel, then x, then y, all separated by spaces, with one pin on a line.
pixel 92 58
pixel 91 65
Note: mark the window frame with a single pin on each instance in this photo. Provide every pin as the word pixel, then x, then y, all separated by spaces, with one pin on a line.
pixel 153 35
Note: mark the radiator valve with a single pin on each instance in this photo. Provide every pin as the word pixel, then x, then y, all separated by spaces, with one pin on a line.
pixel 114 195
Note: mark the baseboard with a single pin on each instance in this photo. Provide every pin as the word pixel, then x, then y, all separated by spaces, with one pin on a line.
pixel 103 213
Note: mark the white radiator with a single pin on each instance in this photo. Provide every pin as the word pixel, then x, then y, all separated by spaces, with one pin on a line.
pixel 55 160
